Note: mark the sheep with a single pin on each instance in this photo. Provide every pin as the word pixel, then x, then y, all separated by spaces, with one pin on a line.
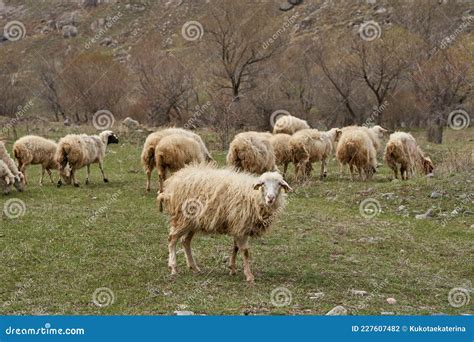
pixel 375 133
pixel 7 179
pixel 402 149
pixel 251 152
pixel 202 198
pixel 356 148
pixel 19 177
pixel 281 147
pixel 35 150
pixel 76 151
pixel 310 145
pixel 148 152
pixel 289 124
pixel 173 152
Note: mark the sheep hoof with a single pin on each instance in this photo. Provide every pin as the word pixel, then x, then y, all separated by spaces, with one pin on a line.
pixel 76 185
pixel 250 281
pixel 106 180
pixel 87 182
pixel 59 184
pixel 233 272
pixel 196 270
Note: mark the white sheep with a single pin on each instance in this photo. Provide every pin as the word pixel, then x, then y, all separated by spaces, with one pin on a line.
pixel 289 124
pixel 175 151
pixel 148 152
pixel 402 149
pixel 252 152
pixel 210 200
pixel 281 147
pixel 309 146
pixel 35 150
pixel 7 179
pixel 19 177
pixel 356 148
pixel 76 151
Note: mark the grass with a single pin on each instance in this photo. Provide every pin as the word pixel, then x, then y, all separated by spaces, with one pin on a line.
pixel 70 242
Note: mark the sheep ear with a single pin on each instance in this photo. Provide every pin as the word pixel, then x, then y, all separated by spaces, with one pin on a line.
pixel 285 186
pixel 258 185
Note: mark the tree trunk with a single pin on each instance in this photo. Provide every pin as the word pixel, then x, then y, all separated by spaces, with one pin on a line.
pixel 434 133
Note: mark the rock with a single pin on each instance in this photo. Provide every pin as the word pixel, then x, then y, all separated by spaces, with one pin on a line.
pixel 429 175
pixel 381 10
pixel 428 214
pixel 436 194
pixel 69 31
pixel 184 313
pixel 286 6
pixel 337 311
pixel 358 292
pixel 401 208
pixel 387 313
pixel 391 301
pixel 69 19
pixel 295 2
pixel 389 195
pixel 454 212
pixel 472 226
pixel 370 239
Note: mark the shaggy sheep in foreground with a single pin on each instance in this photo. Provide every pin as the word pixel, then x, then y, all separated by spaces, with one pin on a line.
pixel 35 150
pixel 402 149
pixel 252 152
pixel 19 177
pixel 7 179
pixel 175 151
pixel 148 152
pixel 356 148
pixel 289 124
pixel 309 146
pixel 210 200
pixel 281 147
pixel 76 151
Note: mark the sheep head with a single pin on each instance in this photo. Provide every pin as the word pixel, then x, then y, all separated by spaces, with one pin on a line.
pixel 20 182
pixel 428 165
pixel 270 185
pixel 379 130
pixel 109 137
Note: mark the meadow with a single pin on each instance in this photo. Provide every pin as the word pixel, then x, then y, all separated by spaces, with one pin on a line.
pixel 68 244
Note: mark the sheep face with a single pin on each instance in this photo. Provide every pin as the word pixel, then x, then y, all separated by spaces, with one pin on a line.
pixel 379 130
pixel 65 174
pixel 428 165
pixel 112 139
pixel 19 182
pixel 270 185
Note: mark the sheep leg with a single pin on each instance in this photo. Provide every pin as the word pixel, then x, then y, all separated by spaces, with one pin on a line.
pixel 148 180
pixel 232 265
pixel 101 166
pixel 403 172
pixel 285 168
pixel 73 178
pixel 189 253
pixel 341 169
pixel 172 240
pixel 42 176
pixel 324 171
pixel 243 247
pixel 22 168
pixel 50 175
pixel 88 174
pixel 351 169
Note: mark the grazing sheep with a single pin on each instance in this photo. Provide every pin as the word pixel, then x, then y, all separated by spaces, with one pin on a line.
pixel 356 148
pixel 402 149
pixel 310 145
pixel 252 152
pixel 7 179
pixel 35 150
pixel 210 200
pixel 175 151
pixel 76 151
pixel 289 124
pixel 148 152
pixel 19 177
pixel 281 147
pixel 375 133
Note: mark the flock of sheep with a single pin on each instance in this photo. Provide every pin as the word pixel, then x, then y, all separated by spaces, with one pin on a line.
pixel 241 200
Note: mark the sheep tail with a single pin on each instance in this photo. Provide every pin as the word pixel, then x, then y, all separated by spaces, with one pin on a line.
pixel 162 197
pixel 149 159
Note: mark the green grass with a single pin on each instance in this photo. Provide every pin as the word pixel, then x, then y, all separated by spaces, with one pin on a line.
pixel 54 257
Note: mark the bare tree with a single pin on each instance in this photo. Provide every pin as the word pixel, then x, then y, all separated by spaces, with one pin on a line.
pixel 49 75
